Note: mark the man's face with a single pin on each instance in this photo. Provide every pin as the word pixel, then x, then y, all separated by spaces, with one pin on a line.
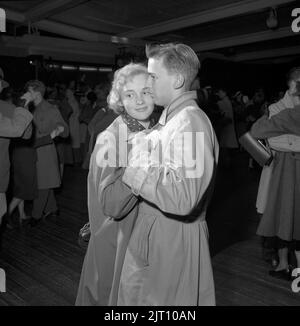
pixel 62 89
pixel 294 87
pixel 33 93
pixel 100 93
pixel 258 98
pixel 83 100
pixel 221 94
pixel 161 82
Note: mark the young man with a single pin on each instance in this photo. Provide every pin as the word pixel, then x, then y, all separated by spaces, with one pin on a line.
pixel 46 119
pixel 167 261
pixel 13 123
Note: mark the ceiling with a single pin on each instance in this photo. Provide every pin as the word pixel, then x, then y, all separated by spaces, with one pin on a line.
pixel 95 31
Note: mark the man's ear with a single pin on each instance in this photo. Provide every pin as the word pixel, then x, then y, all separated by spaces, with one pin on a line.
pixel 179 81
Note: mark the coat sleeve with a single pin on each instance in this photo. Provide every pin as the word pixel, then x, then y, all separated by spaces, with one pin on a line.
pixel 174 185
pixel 285 122
pixel 280 142
pixel 59 121
pixel 28 132
pixel 15 126
pixel 105 177
pixel 95 124
pixel 42 141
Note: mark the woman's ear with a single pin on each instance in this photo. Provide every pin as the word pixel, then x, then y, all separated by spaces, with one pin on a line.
pixel 121 108
pixel 179 81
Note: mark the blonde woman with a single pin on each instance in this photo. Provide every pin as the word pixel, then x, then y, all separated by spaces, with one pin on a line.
pixel 111 204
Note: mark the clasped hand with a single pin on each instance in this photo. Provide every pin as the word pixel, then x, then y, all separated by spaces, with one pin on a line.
pixel 57 131
pixel 142 154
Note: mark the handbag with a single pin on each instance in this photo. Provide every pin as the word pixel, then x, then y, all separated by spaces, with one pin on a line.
pixel 260 152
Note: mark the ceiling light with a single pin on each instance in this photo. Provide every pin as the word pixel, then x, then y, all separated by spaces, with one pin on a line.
pixel 88 69
pixel 105 69
pixel 65 67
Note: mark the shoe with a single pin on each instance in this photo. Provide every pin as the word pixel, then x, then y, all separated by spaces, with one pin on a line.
pixel 34 221
pixel 284 274
pixel 23 221
pixel 10 224
pixel 17 222
pixel 51 214
pixel 274 262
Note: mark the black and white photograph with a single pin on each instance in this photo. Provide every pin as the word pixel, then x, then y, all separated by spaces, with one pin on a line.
pixel 149 155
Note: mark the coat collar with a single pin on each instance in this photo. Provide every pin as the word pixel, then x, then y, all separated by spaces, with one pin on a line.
pixel 176 105
pixel 42 104
pixel 133 124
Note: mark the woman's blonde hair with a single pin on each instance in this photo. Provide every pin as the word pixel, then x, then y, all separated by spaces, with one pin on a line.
pixel 121 77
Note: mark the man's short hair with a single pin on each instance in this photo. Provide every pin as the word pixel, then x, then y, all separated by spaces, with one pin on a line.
pixel 37 86
pixel 293 74
pixel 177 58
pixel 221 88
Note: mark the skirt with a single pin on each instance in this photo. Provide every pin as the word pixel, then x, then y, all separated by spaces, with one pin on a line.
pixel 281 216
pixel 24 179
pixel 263 188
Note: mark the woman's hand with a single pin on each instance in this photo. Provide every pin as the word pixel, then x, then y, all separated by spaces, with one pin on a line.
pixel 56 132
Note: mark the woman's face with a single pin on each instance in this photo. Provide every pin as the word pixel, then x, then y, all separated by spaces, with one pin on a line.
pixel 293 87
pixel 136 97
pixel 69 94
pixel 294 91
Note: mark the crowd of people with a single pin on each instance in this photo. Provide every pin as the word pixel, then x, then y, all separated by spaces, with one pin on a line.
pixel 233 114
pixel 147 203
pixel 63 131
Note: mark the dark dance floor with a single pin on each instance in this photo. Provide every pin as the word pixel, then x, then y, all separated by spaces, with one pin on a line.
pixel 43 264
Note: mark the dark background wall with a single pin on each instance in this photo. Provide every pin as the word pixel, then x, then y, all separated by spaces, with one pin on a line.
pixel 232 76
pixel 245 77
pixel 19 70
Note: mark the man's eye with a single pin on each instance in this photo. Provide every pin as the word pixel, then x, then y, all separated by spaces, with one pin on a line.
pixel 129 95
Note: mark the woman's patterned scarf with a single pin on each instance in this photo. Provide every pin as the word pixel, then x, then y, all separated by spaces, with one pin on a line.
pixel 133 124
